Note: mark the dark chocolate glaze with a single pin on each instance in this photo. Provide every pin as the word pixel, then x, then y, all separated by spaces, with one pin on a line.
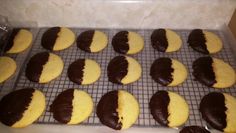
pixel 85 39
pixel 62 106
pixel 107 110
pixel 11 38
pixel 14 104
pixel 75 71
pixel 158 106
pixel 194 129
pixel 34 67
pixel 117 69
pixel 120 42
pixel 203 71
pixel 213 110
pixel 49 38
pixel 197 41
pixel 159 40
pixel 161 71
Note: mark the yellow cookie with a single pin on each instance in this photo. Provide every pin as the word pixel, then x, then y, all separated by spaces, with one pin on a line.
pixel 7 68
pixel 22 107
pixel 20 39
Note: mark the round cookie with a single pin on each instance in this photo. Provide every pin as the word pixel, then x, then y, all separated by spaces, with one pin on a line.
pixel 127 42
pixel 118 109
pixel 72 106
pixel 92 41
pixel 194 129
pixel 213 72
pixel 44 67
pixel 58 38
pixel 22 107
pixel 123 70
pixel 219 111
pixel 169 108
pixel 7 68
pixel 204 41
pixel 165 40
pixel 19 40
pixel 84 71
pixel 168 72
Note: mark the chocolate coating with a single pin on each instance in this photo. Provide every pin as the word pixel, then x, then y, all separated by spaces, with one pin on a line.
pixel 213 110
pixel 197 41
pixel 49 38
pixel 85 39
pixel 35 65
pixel 117 69
pixel 14 104
pixel 62 106
pixel 203 71
pixel 11 38
pixel 75 71
pixel 158 106
pixel 161 71
pixel 107 110
pixel 159 40
pixel 194 129
pixel 120 42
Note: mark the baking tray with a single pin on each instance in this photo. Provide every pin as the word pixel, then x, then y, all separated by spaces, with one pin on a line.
pixel 142 89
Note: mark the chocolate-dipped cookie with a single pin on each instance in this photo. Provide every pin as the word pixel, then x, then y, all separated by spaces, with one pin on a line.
pixel 204 41
pixel 7 68
pixel 165 40
pixel 194 129
pixel 213 72
pixel 219 111
pixel 123 70
pixel 118 109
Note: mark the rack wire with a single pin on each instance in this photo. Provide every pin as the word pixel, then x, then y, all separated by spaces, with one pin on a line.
pixel 142 89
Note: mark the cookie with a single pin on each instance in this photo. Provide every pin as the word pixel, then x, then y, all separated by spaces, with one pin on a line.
pixel 57 38
pixel 204 41
pixel 194 129
pixel 127 42
pixel 19 40
pixel 169 108
pixel 84 71
pixel 165 40
pixel 123 70
pixel 7 68
pixel 213 72
pixel 168 72
pixel 72 106
pixel 219 111
pixel 92 41
pixel 118 109
pixel 44 67
pixel 22 107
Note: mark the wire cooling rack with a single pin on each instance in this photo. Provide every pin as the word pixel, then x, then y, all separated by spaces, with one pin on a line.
pixel 142 89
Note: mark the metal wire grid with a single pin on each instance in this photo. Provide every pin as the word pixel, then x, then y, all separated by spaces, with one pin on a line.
pixel 8 85
pixel 143 89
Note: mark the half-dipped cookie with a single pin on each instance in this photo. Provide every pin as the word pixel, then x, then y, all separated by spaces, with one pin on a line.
pixel 57 38
pixel 213 72
pixel 169 108
pixel 7 68
pixel 123 70
pixel 44 67
pixel 219 111
pixel 127 42
pixel 168 72
pixel 84 71
pixel 22 107
pixel 165 40
pixel 72 106
pixel 204 41
pixel 19 40
pixel 92 41
pixel 118 109
pixel 194 129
